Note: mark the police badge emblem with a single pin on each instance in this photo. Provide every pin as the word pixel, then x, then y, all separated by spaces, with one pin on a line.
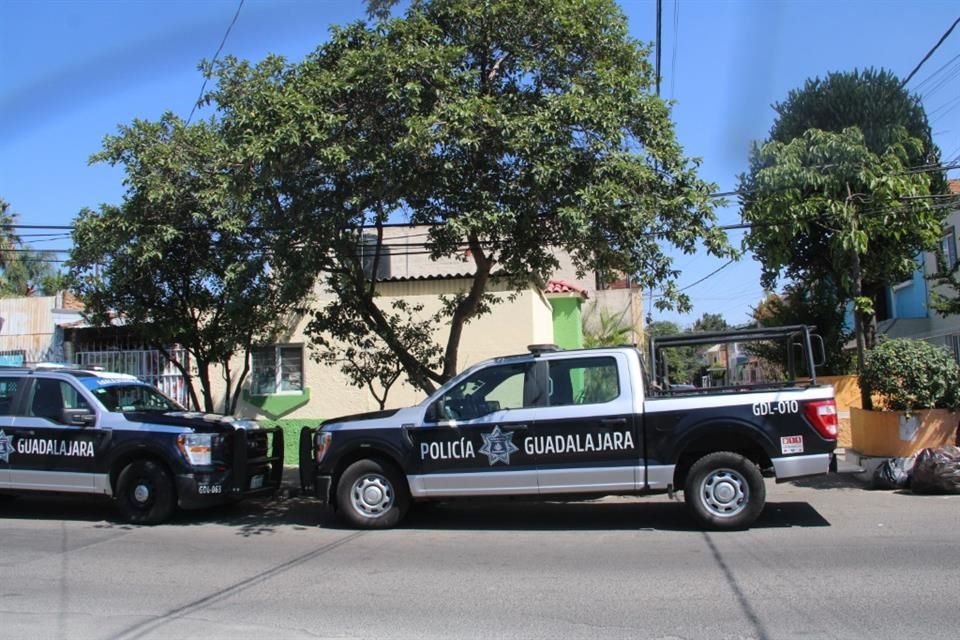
pixel 6 447
pixel 498 446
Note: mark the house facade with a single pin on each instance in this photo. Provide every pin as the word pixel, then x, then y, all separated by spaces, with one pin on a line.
pixel 286 382
pixel 908 303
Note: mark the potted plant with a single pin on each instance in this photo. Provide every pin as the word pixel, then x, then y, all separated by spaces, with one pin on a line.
pixel 917 387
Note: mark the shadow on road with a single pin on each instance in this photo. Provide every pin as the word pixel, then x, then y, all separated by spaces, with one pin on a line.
pixel 249 518
pixel 263 516
pixel 830 481
pixel 601 515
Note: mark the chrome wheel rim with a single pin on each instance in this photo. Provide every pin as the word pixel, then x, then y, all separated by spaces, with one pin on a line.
pixel 724 493
pixel 372 495
pixel 141 493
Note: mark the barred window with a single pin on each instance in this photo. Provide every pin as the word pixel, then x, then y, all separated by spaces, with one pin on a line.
pixel 277 369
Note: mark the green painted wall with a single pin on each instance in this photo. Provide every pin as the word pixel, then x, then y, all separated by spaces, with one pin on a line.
pixel 568 331
pixel 567 322
pixel 291 436
pixel 275 406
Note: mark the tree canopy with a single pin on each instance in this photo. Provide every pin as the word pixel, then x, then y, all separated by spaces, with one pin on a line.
pixel 840 195
pixel 868 212
pixel 24 271
pixel 874 101
pixel 185 257
pixel 510 128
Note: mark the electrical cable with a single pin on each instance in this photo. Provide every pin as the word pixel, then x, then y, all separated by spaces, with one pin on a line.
pixel 203 87
pixel 930 53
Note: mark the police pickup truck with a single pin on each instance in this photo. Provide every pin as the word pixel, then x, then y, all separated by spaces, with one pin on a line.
pixel 554 424
pixel 84 431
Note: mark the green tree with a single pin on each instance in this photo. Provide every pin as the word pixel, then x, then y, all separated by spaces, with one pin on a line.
pixel 872 100
pixel 709 322
pixel 817 304
pixel 23 271
pixel 867 210
pixel 681 362
pixel 184 258
pixel 947 277
pixel 889 119
pixel 511 128
pixel 610 330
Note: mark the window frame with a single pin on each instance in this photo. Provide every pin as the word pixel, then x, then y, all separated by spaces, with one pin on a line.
pixel 435 413
pixel 277 390
pixel 569 365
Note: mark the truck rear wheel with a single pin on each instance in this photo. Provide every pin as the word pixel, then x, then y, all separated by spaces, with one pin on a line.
pixel 725 490
pixel 145 493
pixel 372 495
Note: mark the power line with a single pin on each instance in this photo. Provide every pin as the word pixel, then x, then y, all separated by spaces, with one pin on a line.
pixel 709 275
pixel 930 53
pixel 935 73
pixel 203 87
pixel 676 39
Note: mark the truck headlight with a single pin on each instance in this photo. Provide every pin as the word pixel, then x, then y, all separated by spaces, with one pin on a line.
pixel 197 448
pixel 322 444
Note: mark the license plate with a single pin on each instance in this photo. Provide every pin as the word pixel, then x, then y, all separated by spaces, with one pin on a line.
pixel 256 482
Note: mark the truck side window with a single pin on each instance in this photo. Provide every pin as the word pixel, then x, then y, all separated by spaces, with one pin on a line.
pixel 583 381
pixel 8 391
pixel 51 397
pixel 486 391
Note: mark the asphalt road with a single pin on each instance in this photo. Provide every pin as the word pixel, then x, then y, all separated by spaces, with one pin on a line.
pixel 826 560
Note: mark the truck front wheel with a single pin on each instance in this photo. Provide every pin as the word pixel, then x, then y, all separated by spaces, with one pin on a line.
pixel 372 495
pixel 725 490
pixel 145 493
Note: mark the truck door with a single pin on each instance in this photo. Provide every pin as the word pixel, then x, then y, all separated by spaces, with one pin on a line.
pixel 54 450
pixel 471 441
pixel 9 386
pixel 586 438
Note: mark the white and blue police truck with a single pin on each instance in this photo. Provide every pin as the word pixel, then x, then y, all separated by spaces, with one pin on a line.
pixel 557 424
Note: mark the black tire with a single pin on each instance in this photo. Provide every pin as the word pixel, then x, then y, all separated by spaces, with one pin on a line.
pixel 724 490
pixel 372 495
pixel 145 493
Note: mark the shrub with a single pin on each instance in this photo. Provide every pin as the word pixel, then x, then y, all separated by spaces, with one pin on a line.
pixel 910 375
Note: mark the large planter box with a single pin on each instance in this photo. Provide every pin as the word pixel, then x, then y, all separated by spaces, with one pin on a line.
pixel 892 434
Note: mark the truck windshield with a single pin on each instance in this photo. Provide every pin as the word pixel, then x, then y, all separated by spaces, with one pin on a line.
pixel 134 397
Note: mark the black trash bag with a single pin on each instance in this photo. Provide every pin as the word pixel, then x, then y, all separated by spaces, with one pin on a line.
pixel 937 471
pixel 893 473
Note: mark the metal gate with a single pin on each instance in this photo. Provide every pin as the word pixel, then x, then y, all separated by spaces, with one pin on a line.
pixel 149 365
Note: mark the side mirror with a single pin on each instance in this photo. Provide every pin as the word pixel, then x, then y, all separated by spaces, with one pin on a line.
pixel 80 417
pixel 433 412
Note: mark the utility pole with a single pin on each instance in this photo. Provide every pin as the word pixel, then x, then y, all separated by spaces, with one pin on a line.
pixel 657 45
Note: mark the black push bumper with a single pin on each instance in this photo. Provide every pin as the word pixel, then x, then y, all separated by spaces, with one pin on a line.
pixel 312 481
pixel 255 468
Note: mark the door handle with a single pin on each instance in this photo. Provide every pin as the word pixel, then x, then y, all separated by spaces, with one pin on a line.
pixel 518 427
pixel 614 422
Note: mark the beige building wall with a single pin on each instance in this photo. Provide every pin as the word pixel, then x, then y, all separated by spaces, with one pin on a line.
pixel 510 328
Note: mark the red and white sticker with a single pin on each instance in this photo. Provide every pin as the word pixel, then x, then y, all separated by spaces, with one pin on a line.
pixel 791 444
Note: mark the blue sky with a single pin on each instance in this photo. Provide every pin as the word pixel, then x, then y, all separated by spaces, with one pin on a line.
pixel 72 71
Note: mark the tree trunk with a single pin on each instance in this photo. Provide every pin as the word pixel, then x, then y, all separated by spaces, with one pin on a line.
pixel 203 370
pixel 858 322
pixel 467 307
pixel 231 409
